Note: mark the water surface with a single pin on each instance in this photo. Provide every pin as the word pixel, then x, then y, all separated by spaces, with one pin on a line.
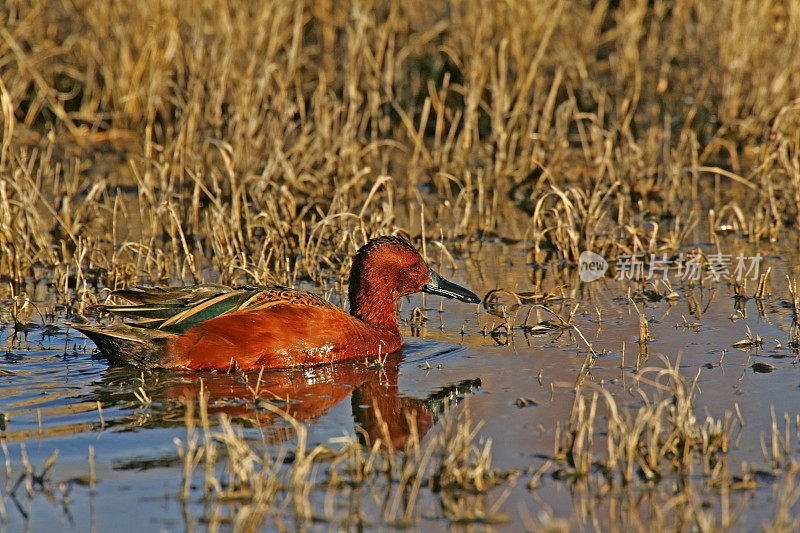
pixel 56 395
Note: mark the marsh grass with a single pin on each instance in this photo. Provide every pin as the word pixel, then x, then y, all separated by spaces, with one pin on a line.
pixel 662 437
pixel 604 452
pixel 254 142
pixel 642 457
pixel 241 142
pixel 247 482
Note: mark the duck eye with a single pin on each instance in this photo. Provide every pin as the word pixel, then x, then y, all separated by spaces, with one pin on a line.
pixel 411 259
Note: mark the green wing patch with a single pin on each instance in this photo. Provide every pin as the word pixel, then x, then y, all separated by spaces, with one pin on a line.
pixel 177 310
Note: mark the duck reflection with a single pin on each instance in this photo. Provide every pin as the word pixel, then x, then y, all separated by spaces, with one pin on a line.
pixel 306 394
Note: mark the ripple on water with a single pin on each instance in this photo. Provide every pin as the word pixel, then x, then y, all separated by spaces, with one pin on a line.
pixel 419 350
pixel 46 394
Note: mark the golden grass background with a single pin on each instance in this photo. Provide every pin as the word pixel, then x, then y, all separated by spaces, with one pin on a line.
pixel 238 141
pixel 248 141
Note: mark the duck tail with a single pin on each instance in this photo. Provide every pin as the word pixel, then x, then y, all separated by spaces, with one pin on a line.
pixel 128 345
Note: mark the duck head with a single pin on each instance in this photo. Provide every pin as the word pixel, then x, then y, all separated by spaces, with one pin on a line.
pixel 388 268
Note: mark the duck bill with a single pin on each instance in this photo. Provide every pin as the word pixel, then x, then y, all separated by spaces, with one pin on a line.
pixel 441 287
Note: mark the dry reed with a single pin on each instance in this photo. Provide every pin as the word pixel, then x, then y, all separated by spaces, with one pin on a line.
pixel 252 142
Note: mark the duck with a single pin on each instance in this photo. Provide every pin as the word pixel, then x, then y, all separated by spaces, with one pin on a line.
pixel 216 327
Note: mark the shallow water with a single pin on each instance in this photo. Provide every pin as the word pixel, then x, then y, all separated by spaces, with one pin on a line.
pixel 50 396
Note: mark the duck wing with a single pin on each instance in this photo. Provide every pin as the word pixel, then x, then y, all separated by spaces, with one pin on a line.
pixel 177 310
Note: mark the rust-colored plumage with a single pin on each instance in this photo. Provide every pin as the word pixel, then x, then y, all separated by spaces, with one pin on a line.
pixel 216 327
